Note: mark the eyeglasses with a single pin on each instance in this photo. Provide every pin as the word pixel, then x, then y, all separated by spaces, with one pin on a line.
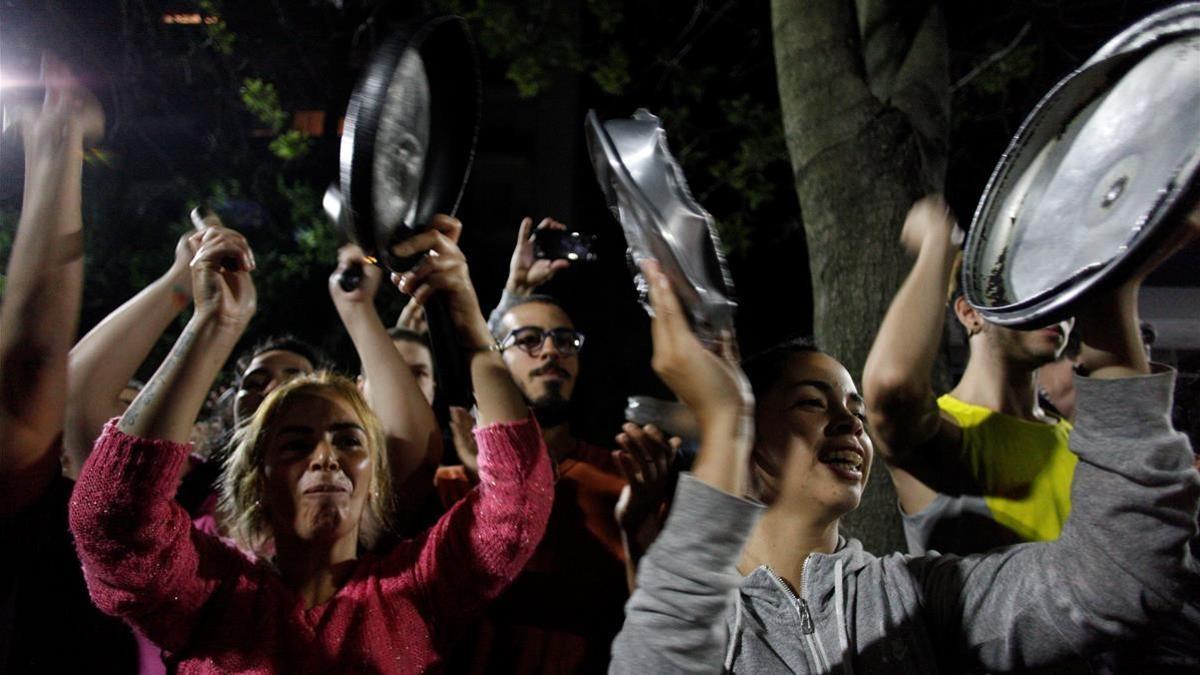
pixel 530 340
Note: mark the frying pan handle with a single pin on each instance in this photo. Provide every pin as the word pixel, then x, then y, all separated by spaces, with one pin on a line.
pixel 351 278
pixel 449 364
pixel 203 217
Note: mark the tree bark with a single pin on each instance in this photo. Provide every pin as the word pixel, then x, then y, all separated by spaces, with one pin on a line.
pixel 865 97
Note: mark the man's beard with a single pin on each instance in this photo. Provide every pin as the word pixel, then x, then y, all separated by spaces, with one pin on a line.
pixel 551 408
pixel 1017 353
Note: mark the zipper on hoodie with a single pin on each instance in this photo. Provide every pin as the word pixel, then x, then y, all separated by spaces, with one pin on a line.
pixel 801 606
pixel 806 622
pixel 815 637
pixel 807 626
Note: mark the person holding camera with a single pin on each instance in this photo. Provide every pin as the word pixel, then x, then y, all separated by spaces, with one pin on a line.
pixel 550 621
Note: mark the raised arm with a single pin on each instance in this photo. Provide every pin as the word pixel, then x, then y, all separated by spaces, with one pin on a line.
pixel 910 430
pixel 104 361
pixel 674 622
pixel 141 559
pixel 480 545
pixel 40 312
pixel 525 270
pixel 225 301
pixel 1122 555
pixel 711 385
pixel 413 437
pixel 496 396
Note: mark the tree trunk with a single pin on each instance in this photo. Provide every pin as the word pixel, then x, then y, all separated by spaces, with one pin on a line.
pixel 865 97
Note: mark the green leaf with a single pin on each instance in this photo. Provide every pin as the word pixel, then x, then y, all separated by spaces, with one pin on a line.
pixel 262 100
pixel 291 144
pixel 607 13
pixel 220 38
pixel 612 72
pixel 529 75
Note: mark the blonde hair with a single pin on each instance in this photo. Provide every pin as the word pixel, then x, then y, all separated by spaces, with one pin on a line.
pixel 240 508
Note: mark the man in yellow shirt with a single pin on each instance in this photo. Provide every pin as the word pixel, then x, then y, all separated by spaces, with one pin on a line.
pixel 984 465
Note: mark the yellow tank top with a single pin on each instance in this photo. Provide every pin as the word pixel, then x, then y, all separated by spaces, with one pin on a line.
pixel 1023 468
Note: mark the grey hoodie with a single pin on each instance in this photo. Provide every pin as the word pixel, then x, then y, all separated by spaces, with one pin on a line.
pixel 1122 558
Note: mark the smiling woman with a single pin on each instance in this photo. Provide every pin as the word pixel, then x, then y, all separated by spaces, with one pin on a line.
pixel 813 450
pixel 732 586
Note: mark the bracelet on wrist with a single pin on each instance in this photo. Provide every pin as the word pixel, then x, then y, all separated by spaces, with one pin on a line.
pixel 476 349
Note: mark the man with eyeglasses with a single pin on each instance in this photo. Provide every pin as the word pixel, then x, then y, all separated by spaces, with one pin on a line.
pixel 541 347
pixel 563 611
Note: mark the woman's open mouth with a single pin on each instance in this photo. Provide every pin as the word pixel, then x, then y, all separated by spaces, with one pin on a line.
pixel 847 462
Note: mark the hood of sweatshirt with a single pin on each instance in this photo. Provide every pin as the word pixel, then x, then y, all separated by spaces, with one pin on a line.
pixel 813 617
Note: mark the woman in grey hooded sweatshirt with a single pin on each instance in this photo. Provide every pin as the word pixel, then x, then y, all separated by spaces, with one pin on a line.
pixel 733 586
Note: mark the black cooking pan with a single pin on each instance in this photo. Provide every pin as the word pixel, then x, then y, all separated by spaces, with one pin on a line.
pixel 406 152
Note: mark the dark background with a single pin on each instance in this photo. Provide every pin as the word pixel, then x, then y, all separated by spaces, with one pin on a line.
pixel 182 130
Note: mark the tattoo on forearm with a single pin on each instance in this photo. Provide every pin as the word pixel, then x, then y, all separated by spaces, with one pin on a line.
pixel 167 372
pixel 180 296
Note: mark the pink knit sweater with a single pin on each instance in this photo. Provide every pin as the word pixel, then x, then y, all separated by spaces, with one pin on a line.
pixel 213 611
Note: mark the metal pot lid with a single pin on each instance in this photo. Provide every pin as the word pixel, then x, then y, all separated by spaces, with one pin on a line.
pixel 1093 177
pixel 648 194
pixel 410 133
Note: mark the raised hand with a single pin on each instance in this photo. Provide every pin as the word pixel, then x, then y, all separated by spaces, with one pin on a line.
pixel 1108 324
pixel 644 458
pixel 712 385
pixel 412 317
pixel 221 285
pixel 350 256
pixel 462 427
pixel 444 270
pixel 180 272
pixel 526 271
pixel 70 115
pixel 929 217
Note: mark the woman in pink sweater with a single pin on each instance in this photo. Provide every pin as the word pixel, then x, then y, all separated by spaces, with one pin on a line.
pixel 301 476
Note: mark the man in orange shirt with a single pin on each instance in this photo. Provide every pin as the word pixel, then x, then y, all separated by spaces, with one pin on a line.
pixel 563 611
